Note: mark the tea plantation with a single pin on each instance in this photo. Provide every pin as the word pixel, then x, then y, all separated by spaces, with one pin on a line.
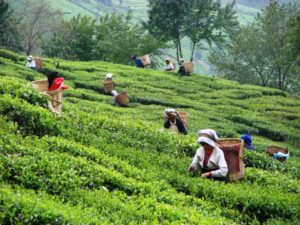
pixel 100 164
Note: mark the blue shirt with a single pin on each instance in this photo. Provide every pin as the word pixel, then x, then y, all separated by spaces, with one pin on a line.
pixel 139 63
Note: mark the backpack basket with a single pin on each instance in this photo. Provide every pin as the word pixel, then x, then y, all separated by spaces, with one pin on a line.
pixel 108 86
pixel 233 152
pixel 122 99
pixel 145 60
pixel 56 96
pixel 188 66
pixel 272 149
pixel 184 117
pixel 38 63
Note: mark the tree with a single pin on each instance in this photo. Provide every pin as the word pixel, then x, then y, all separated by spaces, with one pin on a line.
pixel 74 39
pixel 208 20
pixel 37 20
pixel 114 39
pixel 167 19
pixel 8 25
pixel 263 53
pixel 117 39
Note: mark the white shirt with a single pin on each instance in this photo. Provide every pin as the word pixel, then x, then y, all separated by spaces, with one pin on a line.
pixel 169 67
pixel 216 160
pixel 31 64
pixel 173 128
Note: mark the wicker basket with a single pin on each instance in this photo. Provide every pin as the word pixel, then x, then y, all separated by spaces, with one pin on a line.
pixel 272 149
pixel 122 99
pixel 145 60
pixel 56 96
pixel 184 117
pixel 41 85
pixel 233 147
pixel 108 86
pixel 38 62
pixel 188 66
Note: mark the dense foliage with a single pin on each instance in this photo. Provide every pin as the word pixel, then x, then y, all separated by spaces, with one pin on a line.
pixel 265 52
pixel 100 164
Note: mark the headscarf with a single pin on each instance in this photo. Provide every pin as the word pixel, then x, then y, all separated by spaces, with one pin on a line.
pixel 108 75
pixel 30 58
pixel 209 133
pixel 207 141
pixel 171 111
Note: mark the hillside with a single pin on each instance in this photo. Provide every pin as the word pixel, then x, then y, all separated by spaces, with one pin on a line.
pixel 139 9
pixel 100 164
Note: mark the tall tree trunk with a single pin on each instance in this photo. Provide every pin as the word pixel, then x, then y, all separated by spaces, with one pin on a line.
pixel 29 48
pixel 180 49
pixel 177 51
pixel 279 77
pixel 193 49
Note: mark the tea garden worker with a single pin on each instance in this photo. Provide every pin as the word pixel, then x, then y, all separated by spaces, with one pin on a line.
pixel 248 141
pixel 109 77
pixel 55 81
pixel 173 122
pixel 31 63
pixel 138 61
pixel 169 66
pixel 181 70
pixel 209 158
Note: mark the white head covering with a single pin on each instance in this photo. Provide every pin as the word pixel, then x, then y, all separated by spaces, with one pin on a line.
pixel 30 57
pixel 114 93
pixel 207 141
pixel 109 76
pixel 171 111
pixel 181 60
pixel 209 133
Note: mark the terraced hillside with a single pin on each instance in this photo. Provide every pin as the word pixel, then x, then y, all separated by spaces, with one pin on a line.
pixel 100 164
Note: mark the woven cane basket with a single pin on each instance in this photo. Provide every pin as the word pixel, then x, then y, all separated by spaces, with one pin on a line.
pixel 229 143
pixel 145 59
pixel 272 149
pixel 38 62
pixel 188 66
pixel 122 99
pixel 108 86
pixel 56 96
pixel 184 117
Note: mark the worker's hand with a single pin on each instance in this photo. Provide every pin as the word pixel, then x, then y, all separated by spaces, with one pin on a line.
pixel 205 175
pixel 191 169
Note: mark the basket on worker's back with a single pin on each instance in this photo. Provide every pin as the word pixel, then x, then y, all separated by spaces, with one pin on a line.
pixel 233 152
pixel 108 86
pixel 56 96
pixel 145 60
pixel 122 99
pixel 38 63
pixel 188 66
pixel 273 151
pixel 184 118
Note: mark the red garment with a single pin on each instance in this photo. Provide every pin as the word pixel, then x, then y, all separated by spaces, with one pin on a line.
pixel 206 158
pixel 58 83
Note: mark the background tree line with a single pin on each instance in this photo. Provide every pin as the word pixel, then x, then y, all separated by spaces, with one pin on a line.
pixel 38 28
